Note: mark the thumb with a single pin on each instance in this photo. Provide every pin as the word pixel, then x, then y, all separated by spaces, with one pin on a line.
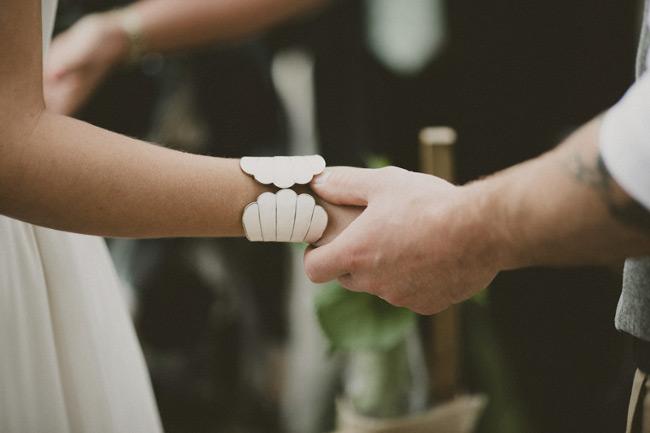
pixel 345 185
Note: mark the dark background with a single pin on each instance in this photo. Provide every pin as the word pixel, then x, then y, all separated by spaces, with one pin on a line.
pixel 513 80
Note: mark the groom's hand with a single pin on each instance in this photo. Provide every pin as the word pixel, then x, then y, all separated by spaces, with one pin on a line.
pixel 420 242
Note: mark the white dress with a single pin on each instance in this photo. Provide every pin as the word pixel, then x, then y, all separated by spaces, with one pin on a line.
pixel 69 358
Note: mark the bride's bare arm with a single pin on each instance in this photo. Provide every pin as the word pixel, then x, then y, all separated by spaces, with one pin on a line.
pixel 65 174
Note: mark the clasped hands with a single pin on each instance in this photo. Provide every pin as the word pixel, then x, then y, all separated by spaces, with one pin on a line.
pixel 412 239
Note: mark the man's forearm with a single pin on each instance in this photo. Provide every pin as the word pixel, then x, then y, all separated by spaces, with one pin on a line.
pixel 562 208
pixel 426 244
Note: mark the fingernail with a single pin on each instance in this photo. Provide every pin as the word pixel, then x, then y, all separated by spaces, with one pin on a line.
pixel 321 178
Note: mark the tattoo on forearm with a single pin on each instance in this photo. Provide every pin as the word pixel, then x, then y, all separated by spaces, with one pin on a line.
pixel 596 175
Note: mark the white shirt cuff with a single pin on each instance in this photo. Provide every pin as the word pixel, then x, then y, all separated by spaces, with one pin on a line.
pixel 625 141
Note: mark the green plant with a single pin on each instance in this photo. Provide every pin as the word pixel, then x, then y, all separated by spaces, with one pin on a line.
pixel 375 335
pixel 359 321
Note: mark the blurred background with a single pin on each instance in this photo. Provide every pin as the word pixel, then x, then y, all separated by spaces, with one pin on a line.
pixel 229 328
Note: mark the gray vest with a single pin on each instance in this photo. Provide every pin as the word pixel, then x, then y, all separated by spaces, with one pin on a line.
pixel 633 312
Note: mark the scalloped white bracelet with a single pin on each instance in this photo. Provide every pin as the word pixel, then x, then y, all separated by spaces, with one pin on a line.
pixel 283 171
pixel 284 216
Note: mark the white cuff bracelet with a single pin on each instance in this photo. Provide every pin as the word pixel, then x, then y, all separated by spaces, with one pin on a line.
pixel 283 171
pixel 284 216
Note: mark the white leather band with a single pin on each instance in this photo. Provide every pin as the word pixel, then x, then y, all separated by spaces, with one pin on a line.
pixel 317 225
pixel 266 204
pixel 283 171
pixel 305 205
pixel 285 202
pixel 251 222
pixel 284 217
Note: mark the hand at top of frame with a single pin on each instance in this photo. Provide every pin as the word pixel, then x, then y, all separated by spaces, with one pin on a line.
pixel 79 60
pixel 420 243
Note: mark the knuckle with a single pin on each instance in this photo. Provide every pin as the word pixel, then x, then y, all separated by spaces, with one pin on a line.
pixel 393 300
pixel 369 286
pixel 396 298
pixel 425 311
pixel 382 291
pixel 384 170
pixel 391 170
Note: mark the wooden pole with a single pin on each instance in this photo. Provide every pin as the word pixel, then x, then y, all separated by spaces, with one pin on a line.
pixel 436 158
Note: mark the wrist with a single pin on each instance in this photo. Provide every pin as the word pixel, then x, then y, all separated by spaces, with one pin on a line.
pixel 282 215
pixel 490 223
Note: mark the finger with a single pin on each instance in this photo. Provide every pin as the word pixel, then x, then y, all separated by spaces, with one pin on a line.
pixel 345 185
pixel 340 217
pixel 57 64
pixel 64 56
pixel 57 70
pixel 327 263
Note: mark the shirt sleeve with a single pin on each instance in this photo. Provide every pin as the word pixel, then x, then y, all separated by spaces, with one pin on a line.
pixel 625 141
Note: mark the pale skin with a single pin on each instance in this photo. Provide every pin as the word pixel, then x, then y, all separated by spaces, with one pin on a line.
pixel 426 244
pixel 82 57
pixel 65 174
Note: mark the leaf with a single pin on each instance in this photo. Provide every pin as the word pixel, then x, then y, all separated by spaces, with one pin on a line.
pixel 377 161
pixel 359 321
